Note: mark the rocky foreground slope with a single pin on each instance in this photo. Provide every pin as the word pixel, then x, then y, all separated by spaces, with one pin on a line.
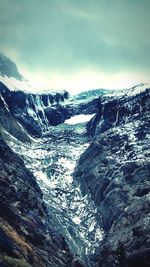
pixel 115 171
pixel 26 237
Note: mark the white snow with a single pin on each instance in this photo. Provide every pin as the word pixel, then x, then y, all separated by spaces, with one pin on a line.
pixel 79 119
pixel 27 86
pixel 41 176
pixel 14 84
pixel 139 88
pixel 76 219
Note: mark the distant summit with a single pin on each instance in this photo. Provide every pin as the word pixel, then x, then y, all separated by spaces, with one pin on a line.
pixel 8 68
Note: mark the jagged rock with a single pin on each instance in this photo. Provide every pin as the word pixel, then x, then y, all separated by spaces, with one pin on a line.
pixel 8 124
pixel 77 263
pixel 54 116
pixel 33 111
pixel 37 112
pixel 25 235
pixel 139 258
pixel 118 176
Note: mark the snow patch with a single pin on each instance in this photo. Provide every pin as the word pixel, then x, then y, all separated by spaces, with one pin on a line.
pixel 79 119
pixel 76 220
pixel 14 84
pixel 41 176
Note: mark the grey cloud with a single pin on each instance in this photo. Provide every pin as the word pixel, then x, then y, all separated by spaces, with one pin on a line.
pixel 68 35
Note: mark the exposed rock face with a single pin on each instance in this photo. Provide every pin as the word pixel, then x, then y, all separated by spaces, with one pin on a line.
pixel 76 263
pixel 115 170
pixel 37 112
pixel 9 125
pixel 89 107
pixel 139 258
pixel 26 238
pixel 30 109
pixel 8 68
pixel 55 115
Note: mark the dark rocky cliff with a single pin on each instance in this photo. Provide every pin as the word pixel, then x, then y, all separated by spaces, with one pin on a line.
pixel 9 125
pixel 115 171
pixel 38 112
pixel 26 238
pixel 35 112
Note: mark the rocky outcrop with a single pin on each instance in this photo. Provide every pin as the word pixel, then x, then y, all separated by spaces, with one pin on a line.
pixel 38 112
pixel 77 108
pixel 9 125
pixel 114 170
pixel 138 258
pixel 33 111
pixel 77 263
pixel 26 238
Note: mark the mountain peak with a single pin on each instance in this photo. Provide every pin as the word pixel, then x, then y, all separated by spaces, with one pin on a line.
pixel 8 68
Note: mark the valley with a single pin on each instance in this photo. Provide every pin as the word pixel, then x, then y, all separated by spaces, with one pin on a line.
pixel 52 160
pixel 74 179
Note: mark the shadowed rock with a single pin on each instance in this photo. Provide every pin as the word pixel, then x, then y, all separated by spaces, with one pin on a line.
pixel 139 258
pixel 77 263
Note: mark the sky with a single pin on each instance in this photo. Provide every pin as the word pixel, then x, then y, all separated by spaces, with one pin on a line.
pixel 78 44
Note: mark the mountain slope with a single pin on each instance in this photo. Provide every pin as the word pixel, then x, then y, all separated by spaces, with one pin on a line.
pixel 26 238
pixel 8 68
pixel 117 177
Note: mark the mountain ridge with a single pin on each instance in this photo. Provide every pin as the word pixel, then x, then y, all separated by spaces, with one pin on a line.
pixel 8 68
pixel 88 183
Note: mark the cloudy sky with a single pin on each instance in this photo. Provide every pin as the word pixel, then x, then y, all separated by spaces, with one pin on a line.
pixel 78 44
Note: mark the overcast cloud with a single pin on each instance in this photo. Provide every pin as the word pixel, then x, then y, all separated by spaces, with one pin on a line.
pixel 78 44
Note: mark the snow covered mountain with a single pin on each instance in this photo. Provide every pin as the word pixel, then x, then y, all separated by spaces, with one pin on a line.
pixel 76 172
pixel 9 69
